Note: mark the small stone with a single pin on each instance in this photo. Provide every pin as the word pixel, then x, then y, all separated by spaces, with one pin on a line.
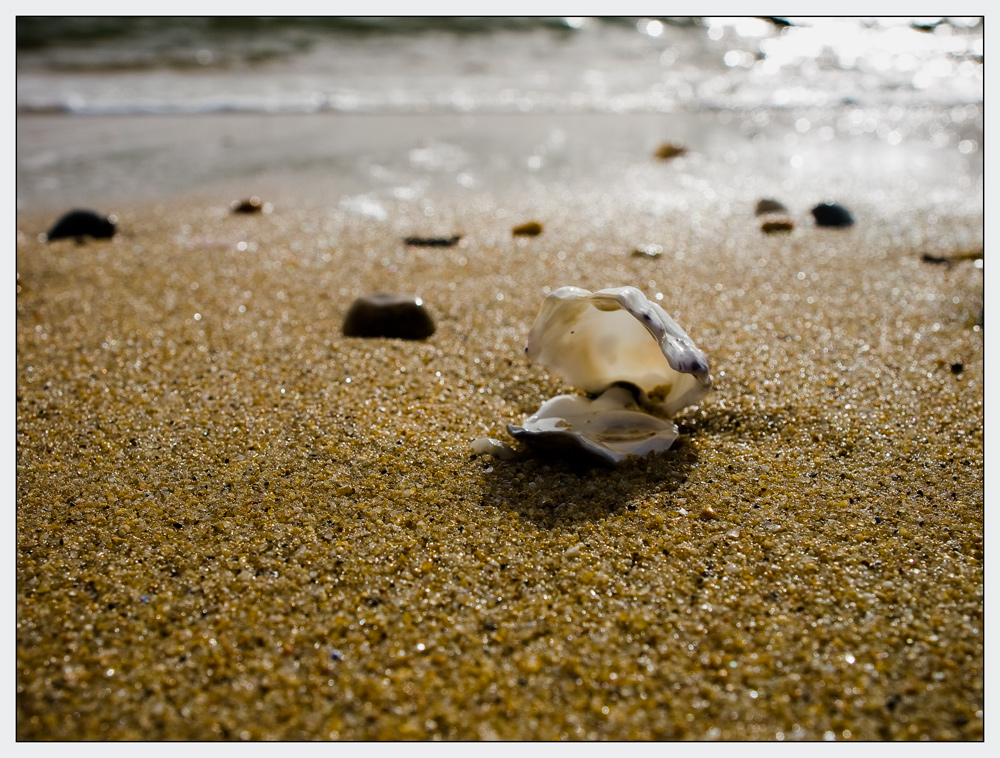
pixel 80 224
pixel 768 205
pixel 831 214
pixel 494 447
pixel 669 150
pixel 433 241
pixel 249 205
pixel 529 229
pixel 975 255
pixel 957 368
pixel 708 514
pixel 647 251
pixel 777 225
pixel 388 315
pixel 928 258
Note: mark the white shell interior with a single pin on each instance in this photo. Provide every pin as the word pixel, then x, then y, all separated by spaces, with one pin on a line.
pixel 596 339
pixel 610 427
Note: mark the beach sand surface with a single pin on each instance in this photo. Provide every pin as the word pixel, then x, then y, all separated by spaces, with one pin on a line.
pixel 235 523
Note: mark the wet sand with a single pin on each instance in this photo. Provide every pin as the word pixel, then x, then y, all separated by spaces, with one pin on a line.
pixel 235 523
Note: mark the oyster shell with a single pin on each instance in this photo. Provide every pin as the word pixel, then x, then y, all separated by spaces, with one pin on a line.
pixel 618 345
pixel 597 339
pixel 609 428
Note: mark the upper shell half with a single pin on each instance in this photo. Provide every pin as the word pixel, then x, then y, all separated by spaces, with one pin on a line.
pixel 616 335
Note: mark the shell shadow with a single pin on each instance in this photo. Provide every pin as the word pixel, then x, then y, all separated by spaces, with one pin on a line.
pixel 764 425
pixel 552 491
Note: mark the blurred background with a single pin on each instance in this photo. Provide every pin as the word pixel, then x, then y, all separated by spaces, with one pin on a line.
pixel 138 108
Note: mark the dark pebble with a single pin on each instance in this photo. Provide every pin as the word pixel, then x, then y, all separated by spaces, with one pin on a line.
pixel 957 368
pixel 388 315
pixel 928 258
pixel 831 214
pixel 767 205
pixel 530 229
pixel 968 255
pixel 82 224
pixel 250 205
pixel 433 241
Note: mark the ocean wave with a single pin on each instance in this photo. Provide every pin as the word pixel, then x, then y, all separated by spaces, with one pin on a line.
pixel 136 66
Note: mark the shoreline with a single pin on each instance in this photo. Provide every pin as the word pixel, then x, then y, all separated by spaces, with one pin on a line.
pixel 315 160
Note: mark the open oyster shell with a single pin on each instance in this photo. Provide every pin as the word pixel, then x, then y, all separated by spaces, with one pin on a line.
pixel 609 428
pixel 616 335
pixel 609 343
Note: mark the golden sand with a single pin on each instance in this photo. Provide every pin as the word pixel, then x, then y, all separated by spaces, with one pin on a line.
pixel 235 523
